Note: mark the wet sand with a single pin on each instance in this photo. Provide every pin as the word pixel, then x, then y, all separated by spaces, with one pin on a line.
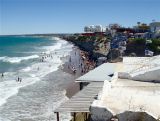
pixel 77 64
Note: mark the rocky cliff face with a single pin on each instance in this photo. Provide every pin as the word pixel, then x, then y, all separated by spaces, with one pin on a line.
pixel 95 46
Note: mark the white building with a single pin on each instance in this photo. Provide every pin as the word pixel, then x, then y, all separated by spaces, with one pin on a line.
pixel 114 26
pixel 124 91
pixel 98 28
pixel 93 28
pixel 129 92
pixel 87 29
pixel 155 26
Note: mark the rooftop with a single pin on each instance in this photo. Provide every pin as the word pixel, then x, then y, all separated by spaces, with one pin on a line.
pixel 98 74
pixel 127 94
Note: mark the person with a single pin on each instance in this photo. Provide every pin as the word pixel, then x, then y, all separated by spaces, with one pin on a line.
pixel 73 69
pixel 70 59
pixel 82 70
pixel 20 80
pixel 2 75
pixel 17 80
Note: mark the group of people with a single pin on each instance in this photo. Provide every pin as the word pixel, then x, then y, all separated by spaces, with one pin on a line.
pixel 83 64
pixel 45 55
pixel 87 63
pixel 17 80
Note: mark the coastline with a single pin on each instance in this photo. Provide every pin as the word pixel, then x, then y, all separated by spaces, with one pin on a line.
pixel 78 59
pixel 39 98
pixel 45 95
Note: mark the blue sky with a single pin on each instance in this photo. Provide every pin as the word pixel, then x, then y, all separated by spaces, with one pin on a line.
pixel 69 16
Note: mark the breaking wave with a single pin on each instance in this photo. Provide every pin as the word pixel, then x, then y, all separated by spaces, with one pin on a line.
pixel 17 59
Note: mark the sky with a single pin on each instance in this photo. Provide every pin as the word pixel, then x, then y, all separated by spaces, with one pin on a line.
pixel 70 16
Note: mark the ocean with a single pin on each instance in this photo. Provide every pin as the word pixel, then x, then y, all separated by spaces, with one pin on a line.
pixel 36 61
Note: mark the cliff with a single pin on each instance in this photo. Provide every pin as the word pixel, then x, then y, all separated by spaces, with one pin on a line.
pixel 97 46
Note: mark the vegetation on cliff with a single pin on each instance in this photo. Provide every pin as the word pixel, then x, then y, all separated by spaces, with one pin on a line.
pixel 138 46
pixel 96 46
pixel 155 46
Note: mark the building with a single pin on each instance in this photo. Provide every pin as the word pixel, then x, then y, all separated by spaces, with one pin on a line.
pixel 155 26
pixel 93 28
pixel 87 29
pixel 125 91
pixel 114 26
pixel 131 94
pixel 98 28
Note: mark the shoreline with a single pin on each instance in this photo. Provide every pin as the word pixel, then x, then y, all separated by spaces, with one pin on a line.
pixel 48 92
pixel 82 64
pixel 53 89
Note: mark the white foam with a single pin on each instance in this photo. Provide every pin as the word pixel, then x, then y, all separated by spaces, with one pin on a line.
pixel 17 59
pixel 57 39
pixel 4 119
pixel 57 46
pixel 1 58
pixel 26 69
pixel 10 88
pixel 33 73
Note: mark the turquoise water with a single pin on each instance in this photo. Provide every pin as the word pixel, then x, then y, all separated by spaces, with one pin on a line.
pixel 14 51
pixel 42 81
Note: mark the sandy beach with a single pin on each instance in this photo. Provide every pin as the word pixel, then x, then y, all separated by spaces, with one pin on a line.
pixel 78 64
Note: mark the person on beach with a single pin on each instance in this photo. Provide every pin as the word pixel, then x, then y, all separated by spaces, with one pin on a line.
pixel 70 59
pixel 2 75
pixel 73 69
pixel 42 59
pixel 82 71
pixel 20 80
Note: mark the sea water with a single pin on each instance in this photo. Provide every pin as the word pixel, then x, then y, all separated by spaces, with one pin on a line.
pixel 35 60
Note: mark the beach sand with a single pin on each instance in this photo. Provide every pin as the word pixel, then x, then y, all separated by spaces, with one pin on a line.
pixel 78 60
